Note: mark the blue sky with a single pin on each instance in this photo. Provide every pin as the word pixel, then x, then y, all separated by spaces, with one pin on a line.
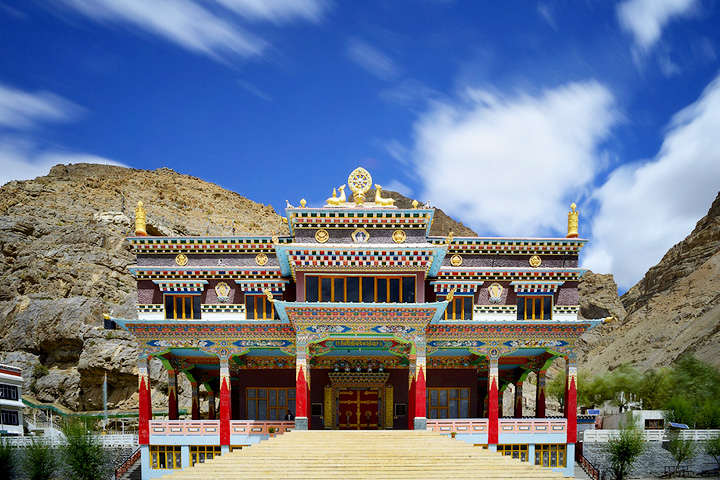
pixel 500 113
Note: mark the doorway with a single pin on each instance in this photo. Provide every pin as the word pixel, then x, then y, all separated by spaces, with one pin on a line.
pixel 358 409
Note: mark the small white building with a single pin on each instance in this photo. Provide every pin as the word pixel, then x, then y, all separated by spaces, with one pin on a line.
pixel 11 405
pixel 646 420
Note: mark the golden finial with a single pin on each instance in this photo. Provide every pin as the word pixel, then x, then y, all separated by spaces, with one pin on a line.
pixel 335 200
pixel 303 202
pixel 140 220
pixel 359 182
pixel 106 316
pixel 573 222
pixel 268 294
pixel 450 294
pixel 415 203
pixel 449 239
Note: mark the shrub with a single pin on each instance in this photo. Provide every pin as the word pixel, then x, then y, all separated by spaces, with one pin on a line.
pixel 38 461
pixel 84 456
pixel 624 449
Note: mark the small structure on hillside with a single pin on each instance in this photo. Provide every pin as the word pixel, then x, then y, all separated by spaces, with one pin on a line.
pixel 11 405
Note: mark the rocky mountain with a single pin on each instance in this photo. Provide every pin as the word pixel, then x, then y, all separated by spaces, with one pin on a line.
pixel 63 262
pixel 674 309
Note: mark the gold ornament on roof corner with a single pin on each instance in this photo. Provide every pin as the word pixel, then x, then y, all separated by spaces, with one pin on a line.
pixel 322 236
pixel 359 182
pixel 379 200
pixel 140 220
pixel 335 200
pixel 573 220
pixel 261 259
pixel 275 239
pixel 449 238
pixel 399 236
pixel 535 261
pixel 303 202
pixel 181 259
pixel 415 203
pixel 456 260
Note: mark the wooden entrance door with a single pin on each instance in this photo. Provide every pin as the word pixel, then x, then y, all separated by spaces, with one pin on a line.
pixel 358 409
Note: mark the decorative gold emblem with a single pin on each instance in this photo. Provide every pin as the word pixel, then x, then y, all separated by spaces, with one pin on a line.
pixel 449 238
pixel 335 200
pixel 140 220
pixel 222 290
pixel 415 203
pixel 261 259
pixel 275 239
pixel 359 182
pixel 451 294
pixel 360 235
pixel 495 291
pixel 535 261
pixel 456 260
pixel 379 200
pixel 573 219
pixel 181 259
pixel 303 202
pixel 398 236
pixel 268 294
pixel 322 236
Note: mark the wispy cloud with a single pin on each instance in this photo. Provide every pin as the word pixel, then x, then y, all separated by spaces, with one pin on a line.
pixel 21 110
pixel 371 59
pixel 509 164
pixel 21 113
pixel 646 207
pixel 191 24
pixel 645 19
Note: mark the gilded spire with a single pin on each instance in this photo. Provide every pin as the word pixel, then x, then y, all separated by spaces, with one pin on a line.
pixel 573 222
pixel 140 220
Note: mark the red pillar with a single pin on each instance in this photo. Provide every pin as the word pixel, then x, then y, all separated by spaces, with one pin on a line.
pixel 144 401
pixel 225 406
pixel 493 424
pixel 420 392
pixel 571 400
pixel 195 401
pixel 301 393
pixel 540 400
pixel 172 395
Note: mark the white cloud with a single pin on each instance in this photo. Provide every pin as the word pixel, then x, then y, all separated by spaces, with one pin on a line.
pixel 512 166
pixel 399 187
pixel 22 110
pixel 371 59
pixel 214 32
pixel 645 19
pixel 647 207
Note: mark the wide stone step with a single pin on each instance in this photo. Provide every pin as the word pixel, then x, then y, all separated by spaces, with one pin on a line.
pixel 356 455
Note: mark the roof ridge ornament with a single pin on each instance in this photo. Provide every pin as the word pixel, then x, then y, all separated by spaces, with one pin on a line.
pixel 573 220
pixel 359 182
pixel 140 220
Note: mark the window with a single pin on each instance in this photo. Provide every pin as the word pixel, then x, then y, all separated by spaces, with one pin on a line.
pixel 460 308
pixel 9 392
pixel 200 453
pixel 514 451
pixel 165 457
pixel 269 403
pixel 534 308
pixel 10 417
pixel 550 455
pixel 359 289
pixel 654 424
pixel 448 402
pixel 258 307
pixel 179 307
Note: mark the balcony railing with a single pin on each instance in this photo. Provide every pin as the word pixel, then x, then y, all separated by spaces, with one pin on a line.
pixel 185 427
pixel 459 425
pixel 604 436
pixel 505 425
pixel 259 427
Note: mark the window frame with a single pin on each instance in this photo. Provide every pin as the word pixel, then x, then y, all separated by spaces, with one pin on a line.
pixel 429 408
pixel 280 410
pixel 452 306
pixel 404 293
pixel 8 392
pixel 10 417
pixel 157 450
pixel 200 453
pixel 515 450
pixel 271 315
pixel 554 451
pixel 522 313
pixel 195 306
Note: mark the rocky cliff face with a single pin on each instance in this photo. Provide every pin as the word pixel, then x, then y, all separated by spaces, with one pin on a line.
pixel 63 262
pixel 674 309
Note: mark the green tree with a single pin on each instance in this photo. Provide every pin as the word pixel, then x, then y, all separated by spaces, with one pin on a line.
pixel 39 461
pixel 7 459
pixel 712 448
pixel 84 455
pixel 623 383
pixel 654 388
pixel 555 388
pixel 622 450
pixel 680 410
pixel 681 449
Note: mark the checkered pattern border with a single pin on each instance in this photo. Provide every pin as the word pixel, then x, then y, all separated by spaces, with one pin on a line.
pixel 249 286
pixel 535 287
pixel 175 286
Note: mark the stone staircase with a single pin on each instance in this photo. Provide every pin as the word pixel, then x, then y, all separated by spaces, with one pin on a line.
pixel 352 455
